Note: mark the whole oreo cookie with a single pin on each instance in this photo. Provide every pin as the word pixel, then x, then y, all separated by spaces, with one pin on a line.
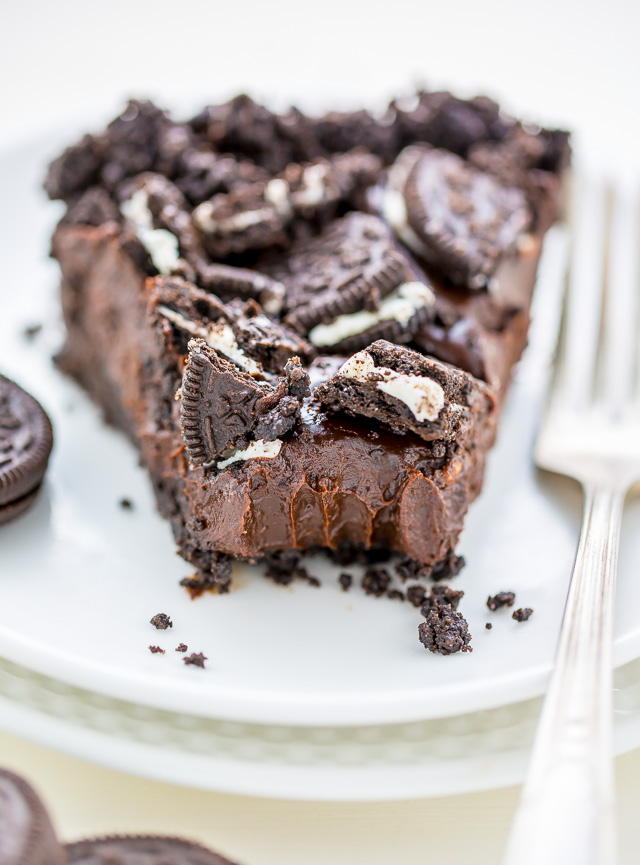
pixel 141 850
pixel 454 216
pixel 26 834
pixel 26 439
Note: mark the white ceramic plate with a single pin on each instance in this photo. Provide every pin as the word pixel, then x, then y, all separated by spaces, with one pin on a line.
pixel 473 752
pixel 80 578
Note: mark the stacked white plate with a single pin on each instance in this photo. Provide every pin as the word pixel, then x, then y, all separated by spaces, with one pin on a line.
pixel 307 693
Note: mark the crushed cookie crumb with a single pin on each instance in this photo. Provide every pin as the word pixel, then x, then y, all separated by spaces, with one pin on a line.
pixel 31 331
pixel 416 595
pixel 376 581
pixel 156 650
pixel 445 631
pixel 522 614
pixel 450 566
pixel 161 621
pixel 181 647
pixel 345 581
pixel 502 599
pixel 126 504
pixel 488 626
pixel 395 595
pixel 440 596
pixel 196 659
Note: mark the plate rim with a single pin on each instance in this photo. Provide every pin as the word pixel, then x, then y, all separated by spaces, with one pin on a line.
pixel 331 766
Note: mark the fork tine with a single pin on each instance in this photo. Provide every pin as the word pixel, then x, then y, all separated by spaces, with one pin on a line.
pixel 617 349
pixel 582 313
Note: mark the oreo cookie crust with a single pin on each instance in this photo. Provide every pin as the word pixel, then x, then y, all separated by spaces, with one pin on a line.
pixel 140 850
pixel 330 277
pixel 26 834
pixel 26 439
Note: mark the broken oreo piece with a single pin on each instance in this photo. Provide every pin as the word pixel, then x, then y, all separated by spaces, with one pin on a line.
pixel 240 220
pixel 227 413
pixel 238 330
pixel 501 599
pixel 452 215
pixel 140 850
pixel 351 285
pixel 404 390
pixel 26 834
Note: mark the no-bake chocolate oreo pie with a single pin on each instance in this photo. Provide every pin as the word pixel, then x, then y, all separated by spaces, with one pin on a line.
pixel 306 325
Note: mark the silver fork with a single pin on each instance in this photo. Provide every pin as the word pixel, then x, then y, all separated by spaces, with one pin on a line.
pixel 591 432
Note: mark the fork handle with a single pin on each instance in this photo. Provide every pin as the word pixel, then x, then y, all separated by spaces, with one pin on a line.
pixel 566 812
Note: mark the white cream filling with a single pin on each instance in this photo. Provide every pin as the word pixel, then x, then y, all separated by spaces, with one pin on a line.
pixel 423 396
pixel 219 336
pixel 399 306
pixel 161 245
pixel 259 449
pixel 313 188
pixel 274 302
pixel 183 323
pixel 204 219
pixel 394 211
pixel 277 194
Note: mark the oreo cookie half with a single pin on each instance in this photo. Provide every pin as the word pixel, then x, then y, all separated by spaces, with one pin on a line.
pixel 454 216
pixel 227 413
pixel 404 390
pixel 352 285
pixel 26 834
pixel 237 329
pixel 141 850
pixel 26 439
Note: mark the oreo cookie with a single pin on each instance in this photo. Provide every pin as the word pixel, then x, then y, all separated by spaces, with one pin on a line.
pixel 352 285
pixel 26 439
pixel 16 508
pixel 26 834
pixel 140 850
pixel 243 219
pixel 454 216
pixel 405 391
pixel 160 216
pixel 271 214
pixel 227 416
pixel 205 174
pixel 238 330
pixel 238 282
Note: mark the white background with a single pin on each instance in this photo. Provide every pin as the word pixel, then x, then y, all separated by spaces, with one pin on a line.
pixel 67 63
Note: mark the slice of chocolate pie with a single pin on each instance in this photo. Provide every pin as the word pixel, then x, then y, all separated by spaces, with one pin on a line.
pixel 306 325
